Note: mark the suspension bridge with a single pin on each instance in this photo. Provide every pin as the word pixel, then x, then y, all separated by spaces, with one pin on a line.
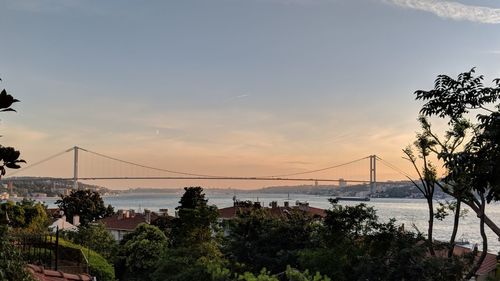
pixel 87 166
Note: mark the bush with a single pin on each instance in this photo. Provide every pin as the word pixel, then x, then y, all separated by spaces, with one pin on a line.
pixel 99 266
pixel 12 266
pixel 95 237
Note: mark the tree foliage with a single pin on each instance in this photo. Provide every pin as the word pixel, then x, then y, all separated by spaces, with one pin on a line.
pixel 193 243
pixel 477 163
pixel 140 251
pixel 349 244
pixel 85 203
pixel 95 236
pixel 9 156
pixel 470 150
pixel 258 239
pixel 11 263
pixel 99 267
pixel 27 214
pixel 354 245
pixel 195 219
pixel 424 145
pixel 12 266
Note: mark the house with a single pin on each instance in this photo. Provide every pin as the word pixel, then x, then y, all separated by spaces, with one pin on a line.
pixel 125 221
pixel 59 220
pixel 62 224
pixel 274 209
pixel 241 207
pixel 4 196
pixel 488 267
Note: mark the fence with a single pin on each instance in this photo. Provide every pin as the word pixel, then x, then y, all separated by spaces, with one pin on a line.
pixel 45 250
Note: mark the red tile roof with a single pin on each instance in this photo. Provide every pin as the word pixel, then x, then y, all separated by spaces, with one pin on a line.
pixel 130 221
pixel 316 211
pixel 41 274
pixel 124 223
pixel 489 264
pixel 231 212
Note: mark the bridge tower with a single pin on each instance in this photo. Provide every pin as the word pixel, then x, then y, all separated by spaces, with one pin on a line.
pixel 75 167
pixel 373 173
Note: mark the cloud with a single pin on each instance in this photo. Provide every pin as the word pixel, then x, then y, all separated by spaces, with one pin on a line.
pixel 452 10
pixel 237 97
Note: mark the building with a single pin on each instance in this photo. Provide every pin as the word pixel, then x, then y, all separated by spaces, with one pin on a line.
pixel 125 221
pixel 62 224
pixel 274 209
pixel 4 196
pixel 488 268
pixel 241 207
pixel 342 183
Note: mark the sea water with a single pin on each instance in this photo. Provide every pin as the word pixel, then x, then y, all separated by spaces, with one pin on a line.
pixel 412 213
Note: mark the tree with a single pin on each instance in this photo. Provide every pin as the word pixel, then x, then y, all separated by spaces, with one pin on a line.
pixel 11 263
pixel 193 246
pixel 354 245
pixel 164 223
pixel 341 246
pixel 13 213
pixel 196 219
pixel 29 215
pixel 264 275
pixel 291 274
pixel 95 236
pixel 258 239
pixel 186 264
pixel 9 157
pixel 85 203
pixel 424 145
pixel 295 275
pixel 140 251
pixel 470 151
pixel 12 266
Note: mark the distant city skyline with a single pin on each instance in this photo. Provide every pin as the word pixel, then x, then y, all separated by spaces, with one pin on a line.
pixel 233 87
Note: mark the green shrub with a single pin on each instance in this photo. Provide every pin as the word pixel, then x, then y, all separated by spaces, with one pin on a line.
pixel 12 266
pixel 99 266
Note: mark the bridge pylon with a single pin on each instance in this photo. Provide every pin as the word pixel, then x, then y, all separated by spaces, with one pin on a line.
pixel 75 167
pixel 373 173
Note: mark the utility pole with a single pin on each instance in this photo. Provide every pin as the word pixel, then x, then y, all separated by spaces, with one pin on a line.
pixel 373 173
pixel 75 168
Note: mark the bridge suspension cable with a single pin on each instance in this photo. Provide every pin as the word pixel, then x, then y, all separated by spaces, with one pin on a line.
pixel 40 162
pixel 205 176
pixel 319 170
pixel 145 166
pixel 395 168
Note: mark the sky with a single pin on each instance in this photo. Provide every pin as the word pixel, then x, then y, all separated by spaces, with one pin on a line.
pixel 232 87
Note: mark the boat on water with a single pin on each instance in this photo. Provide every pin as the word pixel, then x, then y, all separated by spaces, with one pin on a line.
pixel 340 198
pixel 462 241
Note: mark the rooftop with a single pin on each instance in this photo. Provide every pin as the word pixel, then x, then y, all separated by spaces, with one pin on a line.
pixel 41 274
pixel 489 264
pixel 274 209
pixel 127 220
